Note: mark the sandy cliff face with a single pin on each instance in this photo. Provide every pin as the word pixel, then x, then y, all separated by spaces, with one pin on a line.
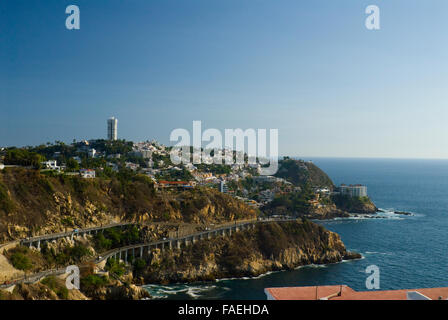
pixel 34 204
pixel 117 290
pixel 269 247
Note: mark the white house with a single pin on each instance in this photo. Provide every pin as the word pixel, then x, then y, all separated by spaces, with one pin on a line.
pixel 51 164
pixel 87 173
pixel 356 190
pixel 92 153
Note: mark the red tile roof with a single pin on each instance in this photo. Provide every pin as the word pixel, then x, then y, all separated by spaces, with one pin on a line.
pixel 346 293
pixel 173 182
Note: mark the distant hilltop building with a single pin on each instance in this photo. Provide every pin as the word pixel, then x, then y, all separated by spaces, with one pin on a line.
pixel 112 128
pixel 357 190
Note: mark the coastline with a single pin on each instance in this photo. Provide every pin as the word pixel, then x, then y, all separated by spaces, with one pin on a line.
pixel 205 285
pixel 380 214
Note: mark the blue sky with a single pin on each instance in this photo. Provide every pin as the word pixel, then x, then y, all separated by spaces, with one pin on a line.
pixel 308 68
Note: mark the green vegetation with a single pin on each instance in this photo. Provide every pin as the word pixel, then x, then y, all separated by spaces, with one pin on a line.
pixel 353 204
pixel 20 258
pixel 93 282
pixel 117 237
pixel 23 258
pixel 214 168
pixel 301 172
pixel 6 204
pixel 115 267
pixel 72 165
pixel 175 175
pixel 295 203
pixel 50 149
pixel 139 265
pixel 68 255
pixel 66 151
pixel 67 222
pixel 112 147
pixel 57 286
pixel 23 157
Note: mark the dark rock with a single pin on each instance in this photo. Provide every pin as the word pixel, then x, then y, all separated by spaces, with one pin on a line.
pixel 403 213
pixel 352 256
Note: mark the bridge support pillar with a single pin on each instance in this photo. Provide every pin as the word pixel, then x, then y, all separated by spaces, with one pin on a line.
pixel 141 252
pixel 126 256
pixel 38 244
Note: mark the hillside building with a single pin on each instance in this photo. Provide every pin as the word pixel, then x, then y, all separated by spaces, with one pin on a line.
pixel 356 190
pixel 112 128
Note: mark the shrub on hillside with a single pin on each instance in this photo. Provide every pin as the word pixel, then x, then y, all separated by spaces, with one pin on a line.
pixel 57 286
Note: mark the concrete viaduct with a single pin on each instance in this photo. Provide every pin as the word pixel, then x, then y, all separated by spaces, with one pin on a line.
pixel 144 249
pixel 138 250
pixel 36 242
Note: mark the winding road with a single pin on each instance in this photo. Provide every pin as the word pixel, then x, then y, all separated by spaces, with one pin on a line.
pixel 137 250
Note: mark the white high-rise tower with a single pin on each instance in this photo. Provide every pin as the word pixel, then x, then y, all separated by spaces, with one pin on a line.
pixel 112 128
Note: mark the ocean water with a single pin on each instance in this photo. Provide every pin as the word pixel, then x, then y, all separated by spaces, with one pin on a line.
pixel 410 251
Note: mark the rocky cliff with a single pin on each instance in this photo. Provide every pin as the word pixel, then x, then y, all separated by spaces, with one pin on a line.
pixel 268 247
pixel 54 288
pixel 32 203
pixel 329 211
